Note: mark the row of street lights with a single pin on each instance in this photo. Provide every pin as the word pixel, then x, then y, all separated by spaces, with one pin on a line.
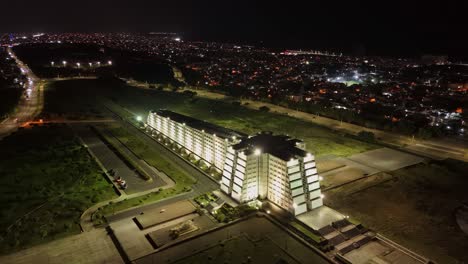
pixel 64 63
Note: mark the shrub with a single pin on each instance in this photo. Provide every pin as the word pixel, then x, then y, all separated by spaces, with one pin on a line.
pixel 264 108
pixel 220 217
pixel 366 136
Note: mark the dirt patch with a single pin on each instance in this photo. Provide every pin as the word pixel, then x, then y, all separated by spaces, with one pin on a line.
pixel 415 207
pixel 328 165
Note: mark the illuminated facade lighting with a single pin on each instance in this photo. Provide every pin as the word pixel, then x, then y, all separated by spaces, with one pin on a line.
pixel 266 166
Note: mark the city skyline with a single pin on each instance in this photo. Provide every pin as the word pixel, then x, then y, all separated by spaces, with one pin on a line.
pixel 388 29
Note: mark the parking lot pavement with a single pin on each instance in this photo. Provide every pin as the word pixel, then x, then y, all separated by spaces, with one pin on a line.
pixel 111 161
pixel 344 170
pixel 320 217
pixel 386 159
pixel 377 251
pixel 159 178
pixel 89 247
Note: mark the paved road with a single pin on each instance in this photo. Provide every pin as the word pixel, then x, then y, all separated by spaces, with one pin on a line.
pixel 27 108
pixel 136 211
pixel 203 184
pixel 111 161
pixel 438 148
pixel 434 148
pixel 159 178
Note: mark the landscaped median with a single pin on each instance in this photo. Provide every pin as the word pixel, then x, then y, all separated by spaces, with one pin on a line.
pixel 183 181
pixel 116 146
pixel 301 229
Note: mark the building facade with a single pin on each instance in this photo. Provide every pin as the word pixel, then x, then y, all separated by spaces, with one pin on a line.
pixel 204 140
pixel 265 166
pixel 272 167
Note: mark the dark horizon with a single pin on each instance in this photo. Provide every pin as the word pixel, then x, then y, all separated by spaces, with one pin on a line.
pixel 386 29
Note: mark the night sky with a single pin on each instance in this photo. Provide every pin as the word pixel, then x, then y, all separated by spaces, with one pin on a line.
pixel 396 28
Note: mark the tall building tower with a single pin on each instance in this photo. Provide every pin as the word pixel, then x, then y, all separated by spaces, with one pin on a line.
pixel 272 167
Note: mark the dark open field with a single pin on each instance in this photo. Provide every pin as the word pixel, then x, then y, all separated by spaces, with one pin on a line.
pixel 416 208
pixel 319 140
pixel 48 180
pixel 9 98
pixel 124 63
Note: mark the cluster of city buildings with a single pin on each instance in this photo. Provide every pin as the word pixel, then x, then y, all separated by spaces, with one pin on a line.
pixel 407 89
pixel 262 166
pixel 10 75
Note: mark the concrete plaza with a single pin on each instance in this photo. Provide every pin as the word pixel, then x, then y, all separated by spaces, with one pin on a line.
pixel 89 247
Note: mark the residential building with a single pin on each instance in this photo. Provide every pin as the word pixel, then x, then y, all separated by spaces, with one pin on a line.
pixel 263 166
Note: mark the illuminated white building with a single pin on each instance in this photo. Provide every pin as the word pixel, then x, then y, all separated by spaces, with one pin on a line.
pixel 265 166
pixel 204 140
pixel 273 167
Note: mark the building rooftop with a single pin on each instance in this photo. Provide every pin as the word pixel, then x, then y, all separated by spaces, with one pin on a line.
pixel 280 146
pixel 200 125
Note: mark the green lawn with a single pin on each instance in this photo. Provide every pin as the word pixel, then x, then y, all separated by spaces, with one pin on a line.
pixel 416 208
pixel 319 140
pixel 73 99
pixel 48 180
pixel 82 95
pixel 153 157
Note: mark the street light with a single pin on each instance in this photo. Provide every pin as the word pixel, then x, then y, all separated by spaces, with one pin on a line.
pixel 52 63
pixel 64 63
pixel 78 64
pixel 109 62
pixel 139 118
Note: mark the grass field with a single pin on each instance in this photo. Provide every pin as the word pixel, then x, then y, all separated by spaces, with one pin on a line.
pixel 74 99
pixel 319 140
pixel 9 98
pixel 82 96
pixel 48 180
pixel 415 208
